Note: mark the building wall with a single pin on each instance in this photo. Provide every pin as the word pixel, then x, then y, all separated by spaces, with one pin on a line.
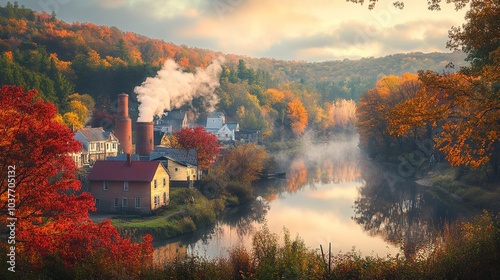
pixel 105 199
pixel 162 190
pixel 180 172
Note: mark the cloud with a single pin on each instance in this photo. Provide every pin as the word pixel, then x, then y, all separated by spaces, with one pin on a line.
pixel 313 30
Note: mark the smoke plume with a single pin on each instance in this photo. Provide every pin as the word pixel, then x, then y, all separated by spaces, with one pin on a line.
pixel 172 88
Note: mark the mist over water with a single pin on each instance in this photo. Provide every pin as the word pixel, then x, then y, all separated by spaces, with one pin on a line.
pixel 332 194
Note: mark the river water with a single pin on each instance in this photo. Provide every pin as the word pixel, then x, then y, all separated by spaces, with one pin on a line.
pixel 332 196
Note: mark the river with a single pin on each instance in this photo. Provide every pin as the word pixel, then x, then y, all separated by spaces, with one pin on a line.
pixel 332 196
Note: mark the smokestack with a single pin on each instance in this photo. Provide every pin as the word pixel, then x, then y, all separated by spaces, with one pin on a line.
pixel 144 143
pixel 123 124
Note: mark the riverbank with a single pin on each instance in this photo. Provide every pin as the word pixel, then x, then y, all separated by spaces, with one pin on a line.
pixel 471 187
pixel 188 211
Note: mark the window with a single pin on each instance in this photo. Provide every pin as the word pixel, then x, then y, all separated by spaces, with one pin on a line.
pixel 124 202
pixel 176 169
pixel 105 185
pixel 125 186
pixel 137 202
pixel 116 202
pixel 155 184
pixel 97 202
pixel 156 201
pixel 107 146
pixel 164 182
pixel 165 198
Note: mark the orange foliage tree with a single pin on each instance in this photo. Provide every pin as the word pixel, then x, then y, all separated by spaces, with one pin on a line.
pixel 298 117
pixel 42 198
pixel 374 112
pixel 465 105
pixel 244 163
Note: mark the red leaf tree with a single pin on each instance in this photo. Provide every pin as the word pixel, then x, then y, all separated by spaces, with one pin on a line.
pixel 41 195
pixel 205 143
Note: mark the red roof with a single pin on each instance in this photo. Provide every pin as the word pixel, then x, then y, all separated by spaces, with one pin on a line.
pixel 143 171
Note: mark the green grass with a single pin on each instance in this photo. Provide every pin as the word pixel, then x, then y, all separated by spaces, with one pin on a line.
pixel 182 216
pixel 472 186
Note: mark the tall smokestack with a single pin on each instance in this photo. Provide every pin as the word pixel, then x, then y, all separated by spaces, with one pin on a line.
pixel 123 124
pixel 144 143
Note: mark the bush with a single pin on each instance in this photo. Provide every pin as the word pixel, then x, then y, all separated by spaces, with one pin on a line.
pixel 242 191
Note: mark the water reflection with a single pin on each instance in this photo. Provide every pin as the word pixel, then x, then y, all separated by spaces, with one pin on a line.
pixel 331 194
pixel 404 214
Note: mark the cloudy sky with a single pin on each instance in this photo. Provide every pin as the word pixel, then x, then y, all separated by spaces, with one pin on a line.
pixel 314 30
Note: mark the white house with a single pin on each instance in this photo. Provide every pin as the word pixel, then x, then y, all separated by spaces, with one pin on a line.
pixel 98 143
pixel 215 121
pixel 217 125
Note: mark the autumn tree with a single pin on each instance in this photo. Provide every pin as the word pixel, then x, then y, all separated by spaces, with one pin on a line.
pixel 244 163
pixel 374 113
pixel 465 106
pixel 298 117
pixel 205 143
pixel 43 198
pixel 342 113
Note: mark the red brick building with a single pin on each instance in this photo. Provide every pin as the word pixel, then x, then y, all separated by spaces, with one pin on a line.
pixel 129 186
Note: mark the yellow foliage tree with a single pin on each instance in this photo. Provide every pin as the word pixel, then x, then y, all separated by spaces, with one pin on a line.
pixel 298 117
pixel 71 120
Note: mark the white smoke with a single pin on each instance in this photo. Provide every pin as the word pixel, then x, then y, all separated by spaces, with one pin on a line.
pixel 171 88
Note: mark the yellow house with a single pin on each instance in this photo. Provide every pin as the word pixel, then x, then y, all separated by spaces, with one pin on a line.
pixel 129 186
pixel 181 173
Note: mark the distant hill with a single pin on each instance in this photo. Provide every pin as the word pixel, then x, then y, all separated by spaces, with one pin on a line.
pixel 40 51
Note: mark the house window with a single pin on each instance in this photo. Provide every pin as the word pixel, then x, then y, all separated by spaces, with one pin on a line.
pixel 137 202
pixel 156 201
pixel 125 186
pixel 124 202
pixel 165 198
pixel 105 185
pixel 97 202
pixel 107 146
pixel 176 169
pixel 155 184
pixel 116 202
pixel 164 182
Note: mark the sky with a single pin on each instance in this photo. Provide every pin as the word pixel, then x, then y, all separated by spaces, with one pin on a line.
pixel 313 30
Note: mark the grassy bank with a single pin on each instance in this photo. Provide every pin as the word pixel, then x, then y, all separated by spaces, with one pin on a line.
pixel 188 211
pixel 468 251
pixel 472 186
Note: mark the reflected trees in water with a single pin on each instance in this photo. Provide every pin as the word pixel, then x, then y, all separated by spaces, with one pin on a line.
pixel 404 214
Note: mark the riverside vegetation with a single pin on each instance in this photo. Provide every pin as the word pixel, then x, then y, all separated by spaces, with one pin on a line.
pixel 468 250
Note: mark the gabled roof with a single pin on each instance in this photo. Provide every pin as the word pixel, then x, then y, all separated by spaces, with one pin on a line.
pixel 176 114
pixel 96 134
pixel 139 171
pixel 181 155
pixel 225 128
pixel 234 126
pixel 215 115
pixel 166 159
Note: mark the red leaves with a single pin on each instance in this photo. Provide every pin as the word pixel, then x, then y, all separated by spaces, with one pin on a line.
pixel 52 218
pixel 204 142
